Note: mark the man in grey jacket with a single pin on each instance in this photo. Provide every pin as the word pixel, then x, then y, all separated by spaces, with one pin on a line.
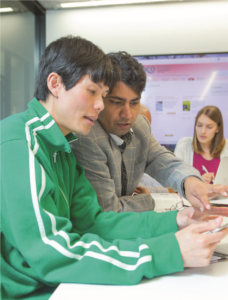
pixel 120 148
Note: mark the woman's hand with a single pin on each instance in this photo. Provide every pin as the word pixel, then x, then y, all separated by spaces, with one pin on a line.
pixel 208 177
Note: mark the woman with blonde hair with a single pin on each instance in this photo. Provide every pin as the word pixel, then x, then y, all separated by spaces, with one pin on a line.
pixel 208 144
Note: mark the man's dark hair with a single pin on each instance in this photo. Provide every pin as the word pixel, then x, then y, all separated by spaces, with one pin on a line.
pixel 128 70
pixel 71 58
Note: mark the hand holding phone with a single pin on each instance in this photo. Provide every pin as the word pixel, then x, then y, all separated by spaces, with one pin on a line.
pixel 218 229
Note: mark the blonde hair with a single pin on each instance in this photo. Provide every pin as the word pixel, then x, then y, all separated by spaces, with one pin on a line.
pixel 218 142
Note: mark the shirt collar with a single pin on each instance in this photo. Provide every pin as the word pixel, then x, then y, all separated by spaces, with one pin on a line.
pixel 127 138
pixel 117 139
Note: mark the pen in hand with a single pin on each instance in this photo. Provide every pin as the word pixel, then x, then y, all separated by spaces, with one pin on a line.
pixel 206 171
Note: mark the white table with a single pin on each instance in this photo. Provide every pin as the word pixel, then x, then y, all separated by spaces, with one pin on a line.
pixel 208 283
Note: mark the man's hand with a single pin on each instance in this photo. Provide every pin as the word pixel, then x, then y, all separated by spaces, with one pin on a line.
pixel 197 248
pixel 208 177
pixel 142 190
pixel 192 215
pixel 197 192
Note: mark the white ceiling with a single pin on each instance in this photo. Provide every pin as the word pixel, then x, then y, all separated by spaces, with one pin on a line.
pixel 55 4
pixel 50 4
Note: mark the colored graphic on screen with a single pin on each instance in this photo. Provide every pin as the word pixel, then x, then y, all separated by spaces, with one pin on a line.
pixel 178 86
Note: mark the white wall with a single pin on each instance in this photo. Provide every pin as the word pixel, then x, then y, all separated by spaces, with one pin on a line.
pixel 147 29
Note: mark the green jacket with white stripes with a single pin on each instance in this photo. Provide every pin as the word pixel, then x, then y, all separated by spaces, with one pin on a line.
pixel 54 231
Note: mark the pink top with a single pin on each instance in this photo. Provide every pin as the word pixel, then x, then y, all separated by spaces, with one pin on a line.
pixel 210 165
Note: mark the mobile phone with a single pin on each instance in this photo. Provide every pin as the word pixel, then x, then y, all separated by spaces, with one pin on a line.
pixel 218 229
pixel 219 205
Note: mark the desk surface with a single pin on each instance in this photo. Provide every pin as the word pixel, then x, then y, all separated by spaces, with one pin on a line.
pixel 208 283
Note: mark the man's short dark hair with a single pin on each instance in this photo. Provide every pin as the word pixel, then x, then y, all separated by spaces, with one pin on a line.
pixel 71 58
pixel 128 70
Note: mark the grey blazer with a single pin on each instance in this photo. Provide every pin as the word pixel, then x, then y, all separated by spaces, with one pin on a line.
pixel 101 159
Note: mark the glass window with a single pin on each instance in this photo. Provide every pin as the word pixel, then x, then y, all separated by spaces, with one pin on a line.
pixel 17 59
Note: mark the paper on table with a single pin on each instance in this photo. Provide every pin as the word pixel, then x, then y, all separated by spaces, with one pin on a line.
pixel 164 201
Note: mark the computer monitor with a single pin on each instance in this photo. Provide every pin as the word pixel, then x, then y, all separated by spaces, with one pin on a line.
pixel 178 86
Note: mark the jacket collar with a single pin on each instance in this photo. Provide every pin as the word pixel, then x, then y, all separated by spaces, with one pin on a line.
pixel 45 126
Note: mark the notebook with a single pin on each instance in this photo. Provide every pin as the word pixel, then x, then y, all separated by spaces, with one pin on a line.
pixel 221 176
pixel 222 172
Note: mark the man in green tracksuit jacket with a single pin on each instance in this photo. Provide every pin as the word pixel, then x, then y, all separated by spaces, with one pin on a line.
pixel 53 229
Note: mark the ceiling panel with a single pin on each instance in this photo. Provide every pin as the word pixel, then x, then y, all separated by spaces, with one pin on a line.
pixel 56 3
pixel 15 5
pixel 49 4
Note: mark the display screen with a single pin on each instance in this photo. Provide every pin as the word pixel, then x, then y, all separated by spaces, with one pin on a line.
pixel 178 86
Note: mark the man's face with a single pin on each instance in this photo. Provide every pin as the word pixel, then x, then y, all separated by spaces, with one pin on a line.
pixel 121 110
pixel 76 110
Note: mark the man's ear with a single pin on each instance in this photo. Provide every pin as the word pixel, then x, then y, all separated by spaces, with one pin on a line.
pixel 54 83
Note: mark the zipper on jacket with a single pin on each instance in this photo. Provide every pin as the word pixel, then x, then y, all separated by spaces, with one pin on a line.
pixel 64 197
pixel 54 155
